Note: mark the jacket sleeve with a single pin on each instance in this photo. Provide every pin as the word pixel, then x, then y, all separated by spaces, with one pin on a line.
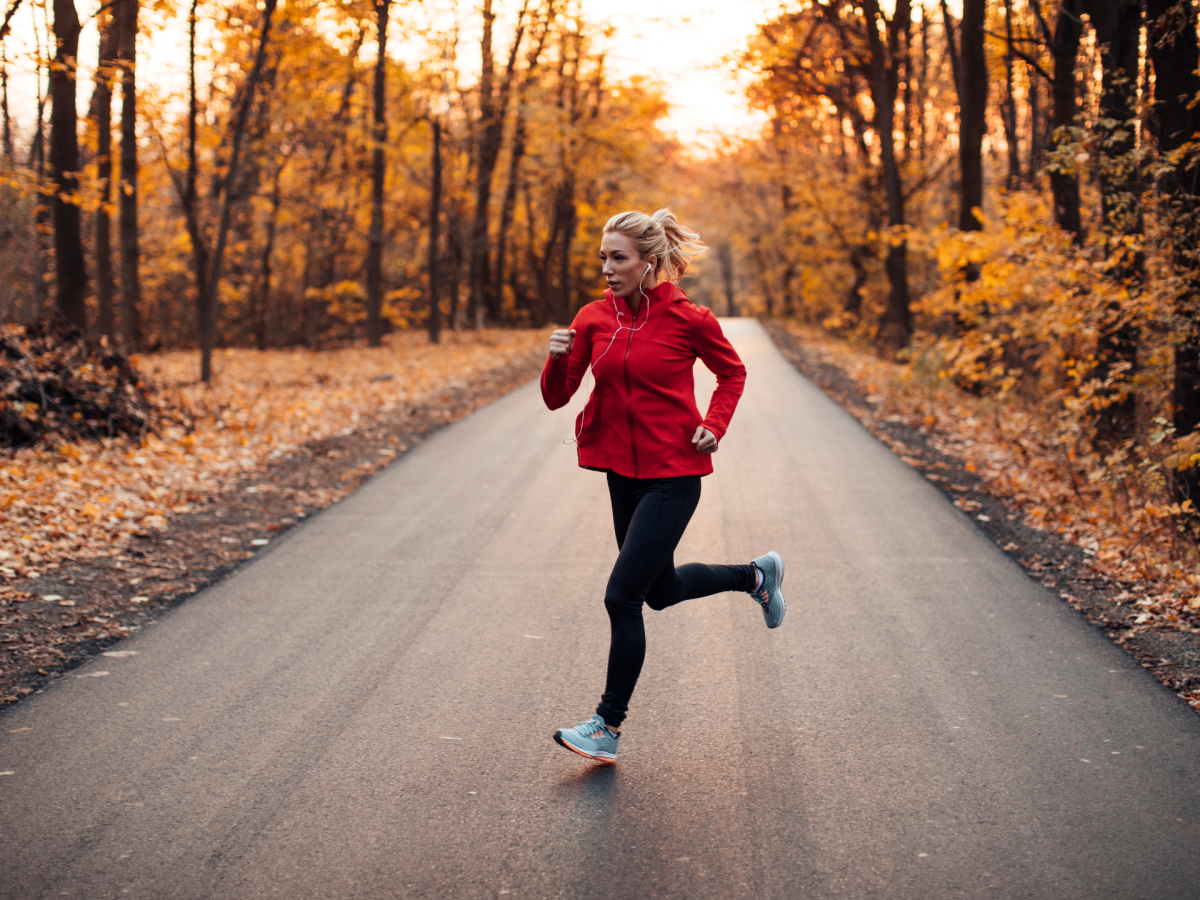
pixel 561 377
pixel 722 360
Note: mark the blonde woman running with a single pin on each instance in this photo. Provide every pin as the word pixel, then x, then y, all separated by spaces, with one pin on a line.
pixel 642 428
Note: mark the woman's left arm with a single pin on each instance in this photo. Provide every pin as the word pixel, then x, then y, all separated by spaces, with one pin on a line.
pixel 722 360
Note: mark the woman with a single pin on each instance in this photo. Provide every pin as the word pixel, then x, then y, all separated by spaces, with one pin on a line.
pixel 641 426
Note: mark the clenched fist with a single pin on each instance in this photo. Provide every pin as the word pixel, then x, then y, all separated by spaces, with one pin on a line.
pixel 705 440
pixel 561 342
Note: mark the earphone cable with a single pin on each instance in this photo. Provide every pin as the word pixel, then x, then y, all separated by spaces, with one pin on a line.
pixel 591 369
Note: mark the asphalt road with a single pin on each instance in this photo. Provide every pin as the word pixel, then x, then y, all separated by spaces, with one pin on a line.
pixel 365 710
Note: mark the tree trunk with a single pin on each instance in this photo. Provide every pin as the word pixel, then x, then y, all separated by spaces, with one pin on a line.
pixel 854 296
pixel 788 276
pixel 764 278
pixel 725 259
pixel 70 269
pixel 454 258
pixel 1037 147
pixel 1065 47
pixel 568 220
pixel 1172 50
pixel 508 207
pixel 477 274
pixel 1009 112
pixel 9 157
pixel 127 196
pixel 102 112
pixel 41 210
pixel 493 109
pixel 952 49
pixel 379 137
pixel 230 181
pixel 435 215
pixel 200 263
pixel 261 313
pixel 922 86
pixel 972 101
pixel 1118 26
pixel 895 329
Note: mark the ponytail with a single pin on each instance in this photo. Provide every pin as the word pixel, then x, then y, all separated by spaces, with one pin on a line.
pixel 660 236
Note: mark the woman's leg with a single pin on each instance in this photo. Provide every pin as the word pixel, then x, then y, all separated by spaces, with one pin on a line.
pixel 650 518
pixel 698 580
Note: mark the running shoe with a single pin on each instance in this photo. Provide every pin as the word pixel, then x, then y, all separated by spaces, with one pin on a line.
pixel 770 594
pixel 590 738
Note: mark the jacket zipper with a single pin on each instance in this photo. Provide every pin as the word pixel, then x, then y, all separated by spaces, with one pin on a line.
pixel 629 401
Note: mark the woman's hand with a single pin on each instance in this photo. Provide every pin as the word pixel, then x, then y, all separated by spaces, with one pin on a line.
pixel 561 343
pixel 705 440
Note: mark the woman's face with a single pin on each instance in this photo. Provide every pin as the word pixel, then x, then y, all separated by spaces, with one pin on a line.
pixel 623 269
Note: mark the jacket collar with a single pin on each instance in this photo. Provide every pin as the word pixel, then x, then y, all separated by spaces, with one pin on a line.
pixel 664 292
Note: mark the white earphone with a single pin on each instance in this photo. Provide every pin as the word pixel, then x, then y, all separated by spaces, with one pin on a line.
pixel 620 327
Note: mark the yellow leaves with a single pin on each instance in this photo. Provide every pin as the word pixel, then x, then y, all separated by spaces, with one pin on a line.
pixel 1174 509
pixel 345 300
pixel 1186 453
pixel 960 250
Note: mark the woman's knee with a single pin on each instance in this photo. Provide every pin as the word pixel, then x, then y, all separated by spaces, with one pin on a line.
pixel 620 604
pixel 665 592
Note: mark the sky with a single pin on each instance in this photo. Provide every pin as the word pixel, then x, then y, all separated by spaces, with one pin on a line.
pixel 682 45
pixel 679 43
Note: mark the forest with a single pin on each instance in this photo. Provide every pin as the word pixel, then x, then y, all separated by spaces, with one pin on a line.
pixel 1003 193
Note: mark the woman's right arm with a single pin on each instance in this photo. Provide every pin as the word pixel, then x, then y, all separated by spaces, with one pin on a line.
pixel 566 365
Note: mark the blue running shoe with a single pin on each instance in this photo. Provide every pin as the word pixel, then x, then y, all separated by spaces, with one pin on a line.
pixel 770 593
pixel 590 738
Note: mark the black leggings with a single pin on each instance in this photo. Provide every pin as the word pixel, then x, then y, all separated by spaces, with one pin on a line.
pixel 650 516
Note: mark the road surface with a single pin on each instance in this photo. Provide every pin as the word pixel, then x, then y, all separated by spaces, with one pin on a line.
pixel 365 710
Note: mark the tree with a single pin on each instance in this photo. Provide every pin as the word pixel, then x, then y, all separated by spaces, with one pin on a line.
pixel 237 133
pixel 972 103
pixel 70 270
pixel 378 139
pixel 1118 27
pixel 435 215
pixel 101 113
pixel 493 110
pixel 1175 122
pixel 127 193
pixel 1063 42
pixel 886 62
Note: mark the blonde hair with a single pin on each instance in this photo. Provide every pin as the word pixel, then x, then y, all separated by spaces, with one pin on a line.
pixel 660 236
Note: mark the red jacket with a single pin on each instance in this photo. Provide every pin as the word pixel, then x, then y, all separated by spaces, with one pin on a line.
pixel 641 416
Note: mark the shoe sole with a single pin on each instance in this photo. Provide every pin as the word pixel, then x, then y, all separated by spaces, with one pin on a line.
pixel 562 742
